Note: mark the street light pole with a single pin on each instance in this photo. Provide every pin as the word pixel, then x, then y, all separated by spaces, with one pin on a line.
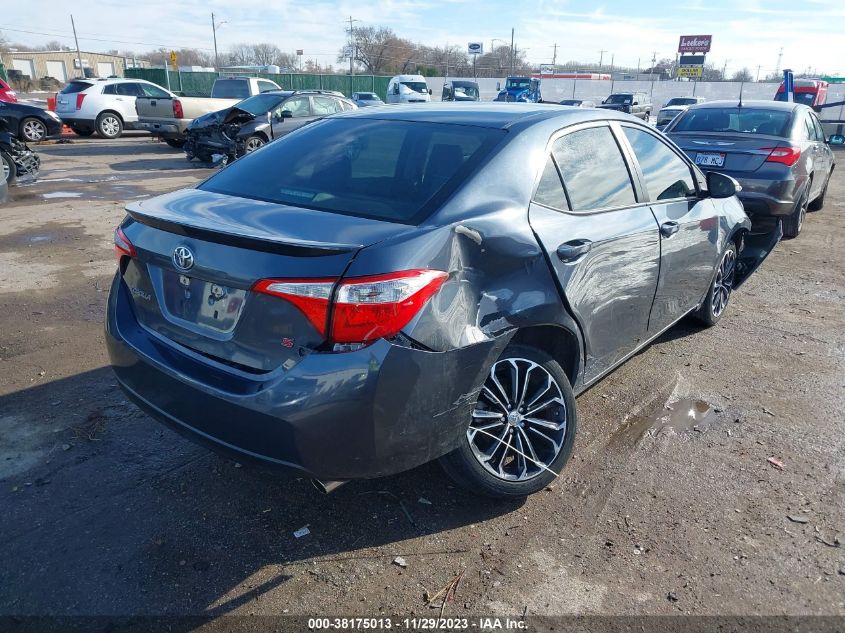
pixel 214 31
pixel 78 54
pixel 511 52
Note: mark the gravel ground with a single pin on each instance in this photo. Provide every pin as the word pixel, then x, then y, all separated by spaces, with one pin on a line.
pixel 740 511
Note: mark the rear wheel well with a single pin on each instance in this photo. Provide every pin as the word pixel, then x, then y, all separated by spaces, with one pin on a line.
pixel 556 341
pixel 117 114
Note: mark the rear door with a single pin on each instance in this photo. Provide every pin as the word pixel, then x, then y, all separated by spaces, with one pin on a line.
pixel 689 226
pixel 602 242
pixel 124 101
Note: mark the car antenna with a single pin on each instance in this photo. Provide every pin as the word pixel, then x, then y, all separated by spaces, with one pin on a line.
pixel 741 86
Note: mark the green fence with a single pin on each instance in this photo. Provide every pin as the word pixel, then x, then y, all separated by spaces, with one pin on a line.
pixel 199 84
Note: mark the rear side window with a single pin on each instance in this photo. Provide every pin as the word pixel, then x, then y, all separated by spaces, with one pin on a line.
pixel 326 105
pixel 75 86
pixel 819 129
pixel 397 171
pixel 550 189
pixel 666 175
pixel 230 89
pixel 593 170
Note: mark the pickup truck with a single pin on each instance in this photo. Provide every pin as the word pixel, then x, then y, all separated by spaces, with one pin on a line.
pixel 169 117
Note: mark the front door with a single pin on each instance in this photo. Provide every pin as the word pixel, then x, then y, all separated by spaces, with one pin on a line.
pixel 603 243
pixel 689 227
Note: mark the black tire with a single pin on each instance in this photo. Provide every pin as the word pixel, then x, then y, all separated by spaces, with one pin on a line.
pixel 9 169
pixel 818 203
pixel 175 143
pixel 794 222
pixel 83 132
pixel 33 130
pixel 719 294
pixel 254 142
pixel 466 469
pixel 109 125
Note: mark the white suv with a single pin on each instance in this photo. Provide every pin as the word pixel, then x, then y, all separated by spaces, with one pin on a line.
pixel 105 106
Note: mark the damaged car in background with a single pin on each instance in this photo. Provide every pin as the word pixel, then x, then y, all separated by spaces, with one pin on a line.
pixel 391 286
pixel 17 159
pixel 243 128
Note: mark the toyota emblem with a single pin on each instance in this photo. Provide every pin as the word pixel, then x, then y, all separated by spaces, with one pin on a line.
pixel 183 258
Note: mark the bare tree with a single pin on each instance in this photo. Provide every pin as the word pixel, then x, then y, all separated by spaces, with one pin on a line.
pixel 742 75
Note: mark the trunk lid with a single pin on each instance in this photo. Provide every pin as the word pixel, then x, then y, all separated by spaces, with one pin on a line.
pixel 742 152
pixel 199 253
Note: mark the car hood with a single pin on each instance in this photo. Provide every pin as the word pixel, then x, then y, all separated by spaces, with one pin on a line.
pixel 222 117
pixel 612 106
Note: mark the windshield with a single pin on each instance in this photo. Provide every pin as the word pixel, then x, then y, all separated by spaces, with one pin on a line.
pixel 396 171
pixel 735 120
pixel 416 86
pixel 260 104
pixel 570 102
pixel 521 83
pixel 368 96
pixel 467 92
pixel 681 101
pixel 807 98
pixel 619 99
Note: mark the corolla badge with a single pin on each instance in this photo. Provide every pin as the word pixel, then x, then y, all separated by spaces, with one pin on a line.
pixel 183 258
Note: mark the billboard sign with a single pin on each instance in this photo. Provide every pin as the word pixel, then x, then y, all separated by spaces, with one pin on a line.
pixel 693 72
pixel 475 48
pixel 691 60
pixel 695 43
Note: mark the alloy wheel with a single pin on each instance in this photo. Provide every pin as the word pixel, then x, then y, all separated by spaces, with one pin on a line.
pixel 34 130
pixel 802 211
pixel 110 126
pixel 253 144
pixel 519 422
pixel 723 284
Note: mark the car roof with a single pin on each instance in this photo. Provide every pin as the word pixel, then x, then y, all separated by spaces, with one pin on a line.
pixel 760 103
pixel 491 114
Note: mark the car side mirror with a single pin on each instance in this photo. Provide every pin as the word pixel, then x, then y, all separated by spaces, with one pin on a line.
pixel 836 139
pixel 429 91
pixel 636 103
pixel 286 114
pixel 721 185
pixel 498 86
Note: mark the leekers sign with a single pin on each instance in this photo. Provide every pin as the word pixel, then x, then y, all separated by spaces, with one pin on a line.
pixel 695 43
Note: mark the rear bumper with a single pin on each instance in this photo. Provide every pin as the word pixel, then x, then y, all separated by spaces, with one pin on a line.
pixel 377 411
pixel 768 197
pixel 175 130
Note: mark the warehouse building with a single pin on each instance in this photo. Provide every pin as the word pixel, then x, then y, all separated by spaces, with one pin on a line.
pixel 65 65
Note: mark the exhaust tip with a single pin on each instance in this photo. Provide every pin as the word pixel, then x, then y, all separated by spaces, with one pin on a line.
pixel 327 486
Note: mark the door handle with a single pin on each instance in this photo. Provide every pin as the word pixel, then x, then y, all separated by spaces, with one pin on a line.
pixel 668 229
pixel 572 250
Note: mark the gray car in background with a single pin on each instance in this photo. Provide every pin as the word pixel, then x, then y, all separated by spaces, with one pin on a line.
pixel 391 286
pixel 777 151
pixel 673 108
pixel 364 99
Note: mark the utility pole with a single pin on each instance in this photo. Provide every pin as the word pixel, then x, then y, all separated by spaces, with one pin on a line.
pixel 725 70
pixel 78 54
pixel 780 57
pixel 638 68
pixel 512 52
pixel 653 63
pixel 554 55
pixel 214 31
pixel 351 50
pixel 612 60
pixel 758 73
pixel 601 57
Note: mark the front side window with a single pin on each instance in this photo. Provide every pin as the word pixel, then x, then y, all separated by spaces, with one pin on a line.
pixel 666 175
pixel 593 170
pixel 128 90
pixel 297 106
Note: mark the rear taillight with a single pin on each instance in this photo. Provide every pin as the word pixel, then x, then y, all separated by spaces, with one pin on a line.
pixel 80 97
pixel 122 245
pixel 363 308
pixel 178 112
pixel 785 155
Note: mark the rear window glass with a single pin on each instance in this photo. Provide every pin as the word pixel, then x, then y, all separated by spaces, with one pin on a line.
pixel 74 87
pixel 388 170
pixel 735 120
pixel 230 89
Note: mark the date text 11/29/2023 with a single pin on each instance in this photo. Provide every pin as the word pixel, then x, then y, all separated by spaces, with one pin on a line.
pixel 417 624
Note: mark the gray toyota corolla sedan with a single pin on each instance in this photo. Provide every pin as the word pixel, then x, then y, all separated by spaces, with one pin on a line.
pixel 777 151
pixel 390 286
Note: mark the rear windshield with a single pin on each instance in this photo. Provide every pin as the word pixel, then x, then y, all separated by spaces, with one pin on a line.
pixel 74 87
pixel 807 98
pixel 397 171
pixel 735 120
pixel 623 99
pixel 681 101
pixel 230 89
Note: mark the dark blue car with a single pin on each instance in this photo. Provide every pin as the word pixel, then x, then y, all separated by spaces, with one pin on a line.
pixel 390 286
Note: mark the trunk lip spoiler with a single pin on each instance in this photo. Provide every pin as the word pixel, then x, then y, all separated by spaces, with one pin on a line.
pixel 295 247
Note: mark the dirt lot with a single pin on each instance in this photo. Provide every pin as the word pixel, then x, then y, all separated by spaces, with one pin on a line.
pixel 104 512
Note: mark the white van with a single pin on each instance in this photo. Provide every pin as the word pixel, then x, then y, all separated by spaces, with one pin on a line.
pixel 408 89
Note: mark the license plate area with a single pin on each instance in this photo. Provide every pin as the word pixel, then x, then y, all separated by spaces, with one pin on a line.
pixel 710 159
pixel 200 302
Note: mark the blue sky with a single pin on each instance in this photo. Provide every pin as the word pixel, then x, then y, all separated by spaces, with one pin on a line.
pixel 746 33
